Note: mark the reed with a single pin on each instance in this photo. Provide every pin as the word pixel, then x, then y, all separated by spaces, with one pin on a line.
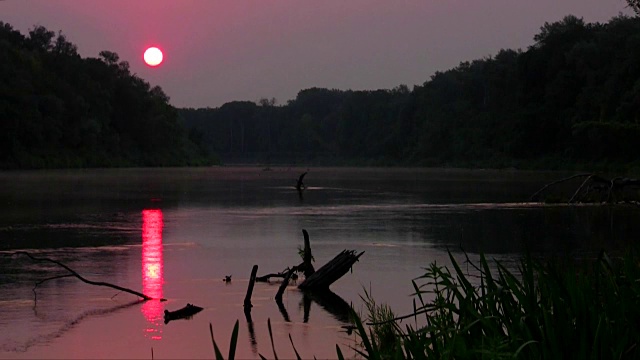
pixel 551 310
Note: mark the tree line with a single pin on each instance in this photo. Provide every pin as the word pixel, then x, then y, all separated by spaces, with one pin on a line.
pixel 572 97
pixel 60 110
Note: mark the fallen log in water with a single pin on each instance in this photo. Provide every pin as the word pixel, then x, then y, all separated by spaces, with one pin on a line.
pixel 90 282
pixel 305 267
pixel 186 312
pixel 267 277
pixel 331 271
pixel 319 280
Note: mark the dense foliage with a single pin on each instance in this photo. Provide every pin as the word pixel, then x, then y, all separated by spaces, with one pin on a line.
pixel 573 97
pixel 552 310
pixel 60 110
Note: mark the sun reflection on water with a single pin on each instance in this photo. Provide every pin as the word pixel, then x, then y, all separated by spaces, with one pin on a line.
pixel 152 270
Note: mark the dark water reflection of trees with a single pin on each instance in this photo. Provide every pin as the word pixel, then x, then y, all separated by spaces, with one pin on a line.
pixel 550 230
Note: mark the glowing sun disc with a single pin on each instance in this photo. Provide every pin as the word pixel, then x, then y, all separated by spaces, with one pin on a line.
pixel 153 56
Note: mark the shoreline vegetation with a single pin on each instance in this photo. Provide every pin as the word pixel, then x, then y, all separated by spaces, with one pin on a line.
pixel 570 101
pixel 547 309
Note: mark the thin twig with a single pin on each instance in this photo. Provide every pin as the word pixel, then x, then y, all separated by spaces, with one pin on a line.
pixel 35 295
pixel 399 317
pixel 612 185
pixel 580 188
pixel 557 182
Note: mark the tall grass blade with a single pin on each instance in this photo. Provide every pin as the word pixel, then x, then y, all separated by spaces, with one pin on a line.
pixel 517 353
pixel 365 337
pixel 215 346
pixel 294 348
pixel 339 353
pixel 275 356
pixel 234 341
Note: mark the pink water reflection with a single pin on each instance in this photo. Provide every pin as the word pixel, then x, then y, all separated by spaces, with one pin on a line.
pixel 152 270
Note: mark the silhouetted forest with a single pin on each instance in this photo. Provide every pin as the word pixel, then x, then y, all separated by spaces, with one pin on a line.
pixel 60 110
pixel 571 99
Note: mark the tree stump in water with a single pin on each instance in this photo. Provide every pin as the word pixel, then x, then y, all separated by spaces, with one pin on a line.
pixel 331 271
pixel 247 298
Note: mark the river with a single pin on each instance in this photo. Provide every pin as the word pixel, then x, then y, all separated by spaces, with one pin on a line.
pixel 177 232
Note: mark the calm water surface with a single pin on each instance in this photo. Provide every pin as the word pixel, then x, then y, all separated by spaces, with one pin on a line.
pixel 175 233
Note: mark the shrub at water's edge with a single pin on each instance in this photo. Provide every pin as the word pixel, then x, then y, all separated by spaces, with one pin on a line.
pixel 552 310
pixel 556 310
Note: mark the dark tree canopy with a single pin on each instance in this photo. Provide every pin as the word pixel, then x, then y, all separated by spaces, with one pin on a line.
pixel 573 97
pixel 634 5
pixel 60 110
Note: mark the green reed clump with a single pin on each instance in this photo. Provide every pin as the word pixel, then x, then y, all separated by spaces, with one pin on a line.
pixel 383 329
pixel 555 310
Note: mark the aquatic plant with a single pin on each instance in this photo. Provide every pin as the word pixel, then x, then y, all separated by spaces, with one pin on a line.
pixel 557 309
pixel 232 345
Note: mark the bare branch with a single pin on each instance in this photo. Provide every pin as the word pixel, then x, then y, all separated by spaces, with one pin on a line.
pixel 98 283
pixel 535 195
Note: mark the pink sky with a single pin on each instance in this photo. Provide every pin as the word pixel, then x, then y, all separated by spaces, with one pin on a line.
pixel 220 51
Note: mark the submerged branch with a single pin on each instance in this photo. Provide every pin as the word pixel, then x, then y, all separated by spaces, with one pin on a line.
pixel 35 295
pixel 600 189
pixel 535 195
pixel 90 282
pixel 580 188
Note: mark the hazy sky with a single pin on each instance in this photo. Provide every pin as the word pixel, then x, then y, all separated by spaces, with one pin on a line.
pixel 220 51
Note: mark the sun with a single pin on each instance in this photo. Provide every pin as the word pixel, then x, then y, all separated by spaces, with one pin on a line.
pixel 153 56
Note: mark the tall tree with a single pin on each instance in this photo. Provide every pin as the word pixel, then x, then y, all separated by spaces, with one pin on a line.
pixel 635 5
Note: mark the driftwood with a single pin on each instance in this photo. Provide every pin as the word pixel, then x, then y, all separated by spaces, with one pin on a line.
pixel 306 267
pixel 535 196
pixel 300 185
pixel 268 277
pixel 597 189
pixel 186 312
pixel 307 257
pixel 283 311
pixel 247 298
pixel 90 282
pixel 314 280
pixel 283 286
pixel 315 287
pixel 331 271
